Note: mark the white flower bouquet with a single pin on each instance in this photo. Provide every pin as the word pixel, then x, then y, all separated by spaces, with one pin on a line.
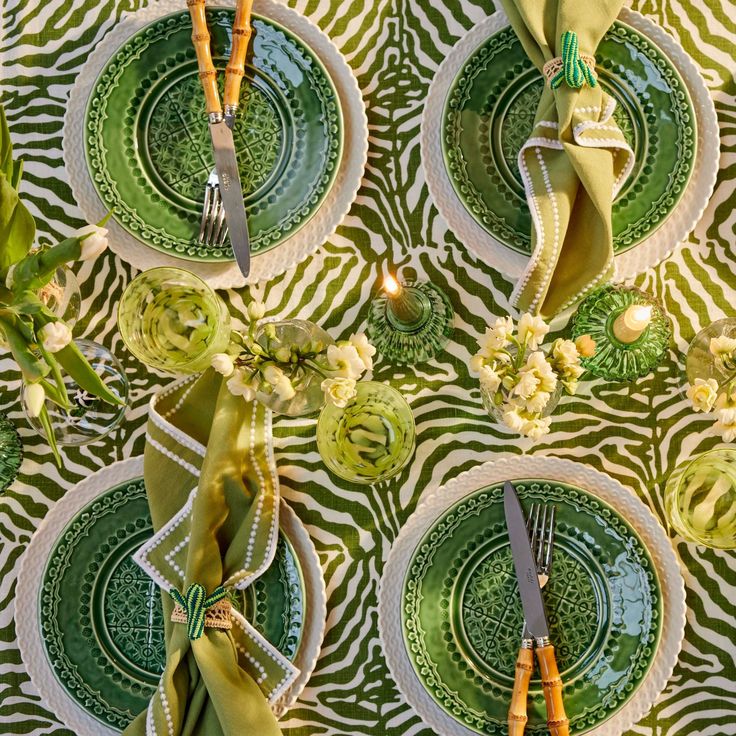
pixel 709 395
pixel 520 383
pixel 259 363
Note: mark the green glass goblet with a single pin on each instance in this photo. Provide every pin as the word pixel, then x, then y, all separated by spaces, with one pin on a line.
pixel 700 499
pixel 371 439
pixel 171 320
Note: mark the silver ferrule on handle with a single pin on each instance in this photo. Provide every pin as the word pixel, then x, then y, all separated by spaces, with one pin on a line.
pixel 542 641
pixel 216 117
pixel 527 643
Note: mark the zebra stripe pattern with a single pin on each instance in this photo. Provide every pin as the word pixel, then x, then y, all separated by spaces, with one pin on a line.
pixel 637 433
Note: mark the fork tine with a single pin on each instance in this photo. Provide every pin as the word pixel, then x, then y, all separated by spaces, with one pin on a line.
pixel 541 537
pixel 218 226
pixel 550 537
pixel 223 234
pixel 205 211
pixel 214 211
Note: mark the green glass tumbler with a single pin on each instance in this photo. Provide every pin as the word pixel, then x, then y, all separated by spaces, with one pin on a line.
pixel 371 439
pixel 700 499
pixel 171 320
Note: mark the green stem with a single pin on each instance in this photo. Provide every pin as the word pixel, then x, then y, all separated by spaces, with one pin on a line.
pixel 58 379
pixel 49 432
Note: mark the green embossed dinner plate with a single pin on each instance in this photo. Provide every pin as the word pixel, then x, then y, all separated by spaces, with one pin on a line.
pixel 101 617
pixel 489 113
pixel 148 146
pixel 459 617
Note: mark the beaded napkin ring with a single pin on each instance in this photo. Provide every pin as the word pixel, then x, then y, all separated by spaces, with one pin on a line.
pixel 198 610
pixel 572 67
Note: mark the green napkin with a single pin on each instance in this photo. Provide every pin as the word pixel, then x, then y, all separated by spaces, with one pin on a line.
pixel 213 492
pixel 574 162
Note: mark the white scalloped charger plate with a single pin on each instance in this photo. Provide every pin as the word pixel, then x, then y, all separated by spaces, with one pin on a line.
pixel 646 254
pixel 607 489
pixel 31 573
pixel 295 248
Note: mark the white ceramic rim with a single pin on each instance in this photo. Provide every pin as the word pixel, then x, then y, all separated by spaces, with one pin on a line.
pixel 33 565
pixel 297 247
pixel 636 513
pixel 647 254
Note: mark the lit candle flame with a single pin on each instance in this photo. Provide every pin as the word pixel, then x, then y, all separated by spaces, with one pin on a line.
pixel 391 286
pixel 641 315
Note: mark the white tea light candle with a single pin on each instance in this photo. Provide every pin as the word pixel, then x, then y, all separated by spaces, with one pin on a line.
pixel 631 323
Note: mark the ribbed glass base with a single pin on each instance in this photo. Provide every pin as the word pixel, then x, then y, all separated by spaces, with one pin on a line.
pixel 414 327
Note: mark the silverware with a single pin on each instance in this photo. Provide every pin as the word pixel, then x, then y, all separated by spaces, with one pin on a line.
pixel 531 547
pixel 223 192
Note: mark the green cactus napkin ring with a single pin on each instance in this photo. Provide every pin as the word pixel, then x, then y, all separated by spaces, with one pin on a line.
pixel 572 67
pixel 196 609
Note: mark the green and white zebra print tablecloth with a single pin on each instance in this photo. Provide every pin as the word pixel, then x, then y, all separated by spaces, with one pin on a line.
pixel 636 433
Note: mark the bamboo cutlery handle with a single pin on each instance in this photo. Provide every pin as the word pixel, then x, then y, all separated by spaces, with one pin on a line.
pixel 207 71
pixel 557 720
pixel 242 31
pixel 517 710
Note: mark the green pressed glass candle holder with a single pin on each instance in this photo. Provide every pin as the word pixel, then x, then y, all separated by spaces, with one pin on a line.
pixel 615 359
pixel 371 439
pixel 171 320
pixel 11 453
pixel 411 324
pixel 700 499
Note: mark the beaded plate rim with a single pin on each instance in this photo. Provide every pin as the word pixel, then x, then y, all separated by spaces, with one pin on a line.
pixel 647 254
pixel 296 248
pixel 636 514
pixel 33 563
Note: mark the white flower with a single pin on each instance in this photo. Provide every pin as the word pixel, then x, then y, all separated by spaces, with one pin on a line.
pixel 345 361
pixel 537 403
pixel 256 310
pixel 223 364
pixel 284 389
pixel 722 346
pixel 703 394
pixel 476 363
pixel 565 353
pixel 532 330
pixel 496 337
pixel 536 428
pixel 512 417
pixel 490 381
pixel 726 424
pixel 54 336
pixel 339 391
pixel 239 385
pixel 273 374
pixel 527 385
pixel 94 243
pixel 538 364
pixel 35 397
pixel 366 351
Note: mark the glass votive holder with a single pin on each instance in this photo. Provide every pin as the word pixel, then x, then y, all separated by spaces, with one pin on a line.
pixel 173 321
pixel 89 418
pixel 11 453
pixel 700 361
pixel 700 499
pixel 371 439
pixel 631 332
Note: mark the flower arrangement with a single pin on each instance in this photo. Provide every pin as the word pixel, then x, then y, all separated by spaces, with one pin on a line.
pixel 520 383
pixel 40 343
pixel 707 395
pixel 258 363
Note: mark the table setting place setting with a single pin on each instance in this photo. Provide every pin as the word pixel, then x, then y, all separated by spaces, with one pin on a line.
pixel 367 369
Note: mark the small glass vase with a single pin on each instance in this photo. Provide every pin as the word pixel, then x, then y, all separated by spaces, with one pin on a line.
pixel 496 407
pixel 700 499
pixel 701 363
pixel 309 396
pixel 173 321
pixel 371 439
pixel 89 418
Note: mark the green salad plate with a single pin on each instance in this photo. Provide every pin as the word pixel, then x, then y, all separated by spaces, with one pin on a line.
pixel 148 145
pixel 489 114
pixel 459 620
pixel 98 616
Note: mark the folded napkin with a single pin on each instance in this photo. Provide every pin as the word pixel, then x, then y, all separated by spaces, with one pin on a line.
pixel 213 492
pixel 576 159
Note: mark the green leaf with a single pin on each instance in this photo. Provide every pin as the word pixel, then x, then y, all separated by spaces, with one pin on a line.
pixel 6 147
pixel 48 430
pixel 76 365
pixel 37 269
pixel 16 336
pixel 17 227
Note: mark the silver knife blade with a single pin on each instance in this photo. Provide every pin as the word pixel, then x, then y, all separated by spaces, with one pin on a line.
pixel 526 568
pixel 231 192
